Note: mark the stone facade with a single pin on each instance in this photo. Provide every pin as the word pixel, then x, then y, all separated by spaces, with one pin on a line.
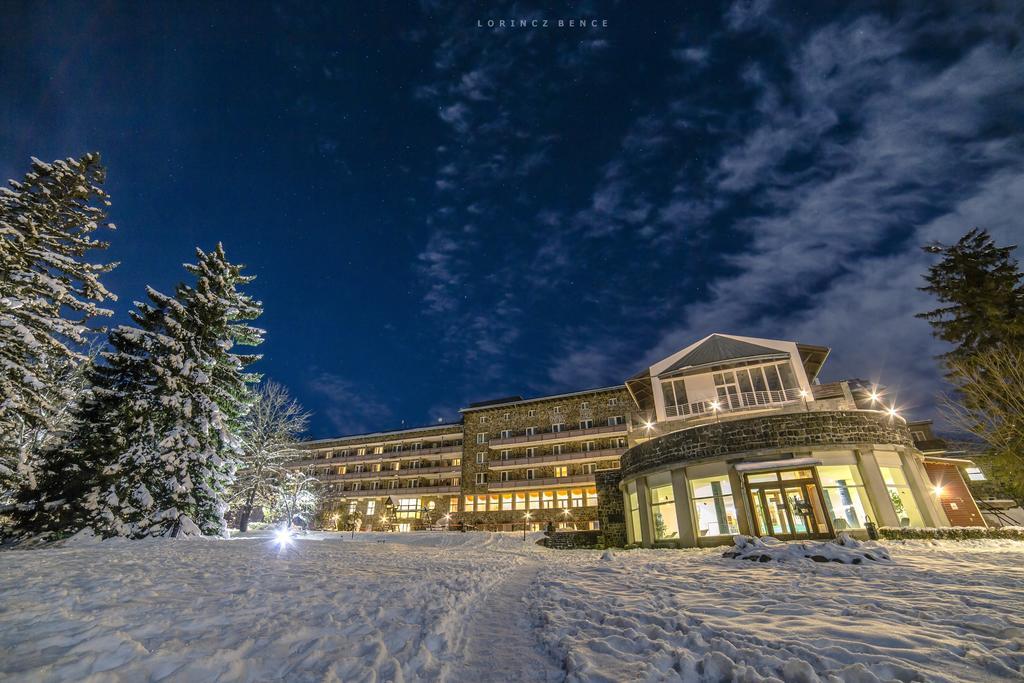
pixel 570 540
pixel 540 414
pixel 610 511
pixel 789 430
pixel 552 443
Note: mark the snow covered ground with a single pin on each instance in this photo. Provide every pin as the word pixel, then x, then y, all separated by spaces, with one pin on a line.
pixel 476 606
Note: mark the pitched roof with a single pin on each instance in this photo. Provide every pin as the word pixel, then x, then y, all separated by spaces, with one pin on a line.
pixel 719 349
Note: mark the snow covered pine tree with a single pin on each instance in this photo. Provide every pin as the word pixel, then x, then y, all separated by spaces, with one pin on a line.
pixel 154 449
pixel 48 293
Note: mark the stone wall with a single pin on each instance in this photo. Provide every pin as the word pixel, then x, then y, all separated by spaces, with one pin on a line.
pixel 568 540
pixel 790 430
pixel 610 511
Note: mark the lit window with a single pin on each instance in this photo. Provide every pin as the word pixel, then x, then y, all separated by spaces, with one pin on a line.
pixel 845 496
pixel 663 507
pixel 716 512
pixel 975 474
pixel 506 501
pixel 371 505
pixel 377 450
pixel 902 497
pixel 562 471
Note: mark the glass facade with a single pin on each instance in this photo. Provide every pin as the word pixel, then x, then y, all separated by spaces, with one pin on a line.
pixel 902 497
pixel 663 507
pixel 714 506
pixel 845 497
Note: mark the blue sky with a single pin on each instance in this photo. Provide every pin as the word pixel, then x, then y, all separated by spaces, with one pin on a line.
pixel 439 213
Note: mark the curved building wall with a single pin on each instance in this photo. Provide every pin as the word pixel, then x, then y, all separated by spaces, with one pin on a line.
pixel 789 430
pixel 791 475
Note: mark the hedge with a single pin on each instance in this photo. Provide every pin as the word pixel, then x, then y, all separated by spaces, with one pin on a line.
pixel 953 533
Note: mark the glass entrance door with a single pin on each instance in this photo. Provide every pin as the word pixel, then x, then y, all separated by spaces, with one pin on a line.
pixel 787 505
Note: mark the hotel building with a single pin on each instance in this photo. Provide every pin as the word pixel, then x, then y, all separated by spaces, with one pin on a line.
pixel 728 435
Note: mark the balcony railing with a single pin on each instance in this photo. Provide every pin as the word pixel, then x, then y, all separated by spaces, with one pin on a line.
pixel 544 483
pixel 745 400
pixel 383 493
pixel 407 454
pixel 573 457
pixel 563 435
pixel 404 473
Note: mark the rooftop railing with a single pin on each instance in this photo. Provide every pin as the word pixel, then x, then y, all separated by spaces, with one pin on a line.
pixel 744 400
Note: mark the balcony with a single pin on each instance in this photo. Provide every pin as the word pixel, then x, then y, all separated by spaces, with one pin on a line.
pixel 560 459
pixel 564 435
pixel 405 473
pixel 546 483
pixel 399 492
pixel 389 456
pixel 746 400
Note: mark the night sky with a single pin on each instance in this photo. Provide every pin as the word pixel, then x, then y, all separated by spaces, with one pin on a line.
pixel 439 213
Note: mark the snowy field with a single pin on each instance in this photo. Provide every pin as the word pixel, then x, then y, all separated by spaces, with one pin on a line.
pixel 476 606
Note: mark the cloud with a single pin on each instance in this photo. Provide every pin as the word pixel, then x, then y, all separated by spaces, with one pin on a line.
pixel 873 154
pixel 351 408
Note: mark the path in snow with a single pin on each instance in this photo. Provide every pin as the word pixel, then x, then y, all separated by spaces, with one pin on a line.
pixel 500 641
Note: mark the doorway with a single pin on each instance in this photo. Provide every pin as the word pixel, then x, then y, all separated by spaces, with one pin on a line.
pixel 787 504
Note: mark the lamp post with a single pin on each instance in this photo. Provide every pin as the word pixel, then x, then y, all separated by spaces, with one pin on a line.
pixel 526 518
pixel 803 396
pixel 715 405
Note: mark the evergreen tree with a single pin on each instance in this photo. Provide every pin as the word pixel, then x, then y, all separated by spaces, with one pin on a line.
pixel 48 294
pixel 155 444
pixel 982 292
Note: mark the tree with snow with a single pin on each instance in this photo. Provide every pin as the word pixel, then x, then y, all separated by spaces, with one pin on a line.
pixel 49 293
pixel 268 440
pixel 297 494
pixel 154 448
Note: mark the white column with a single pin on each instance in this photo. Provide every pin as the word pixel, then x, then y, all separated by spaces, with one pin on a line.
pixel 878 493
pixel 646 523
pixel 632 535
pixel 744 515
pixel 684 514
pixel 921 487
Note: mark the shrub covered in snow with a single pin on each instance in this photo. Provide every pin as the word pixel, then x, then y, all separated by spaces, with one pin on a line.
pixel 953 533
pixel 844 549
